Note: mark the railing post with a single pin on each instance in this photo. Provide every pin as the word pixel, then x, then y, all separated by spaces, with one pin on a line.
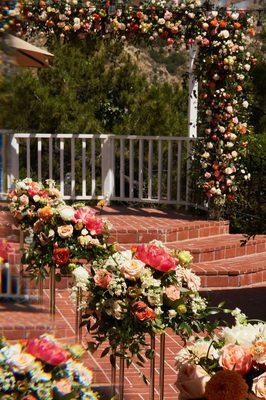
pixel 108 167
pixel 193 93
pixel 13 161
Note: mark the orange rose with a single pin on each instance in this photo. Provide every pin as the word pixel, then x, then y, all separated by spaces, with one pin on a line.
pixel 45 213
pixel 214 22
pixel 235 358
pixel 142 312
pixel 61 255
pixel 223 24
pixel 237 25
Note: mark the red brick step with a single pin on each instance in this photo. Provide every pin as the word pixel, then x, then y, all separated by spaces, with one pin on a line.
pixel 221 247
pixel 233 272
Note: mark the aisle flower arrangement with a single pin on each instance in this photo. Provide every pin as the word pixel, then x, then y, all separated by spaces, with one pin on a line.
pixel 28 197
pixel 9 14
pixel 230 365
pixel 145 290
pixel 59 235
pixel 223 64
pixel 43 369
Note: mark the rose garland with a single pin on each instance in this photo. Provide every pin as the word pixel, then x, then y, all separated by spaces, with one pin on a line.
pixel 222 66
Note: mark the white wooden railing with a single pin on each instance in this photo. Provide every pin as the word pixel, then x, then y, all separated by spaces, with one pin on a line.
pixel 148 169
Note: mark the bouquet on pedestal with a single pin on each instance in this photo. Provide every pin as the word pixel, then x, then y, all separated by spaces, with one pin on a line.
pixel 43 369
pixel 141 291
pixel 229 366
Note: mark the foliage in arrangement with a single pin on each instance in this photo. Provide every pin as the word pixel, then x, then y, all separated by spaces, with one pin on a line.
pixel 223 65
pixel 43 369
pixel 145 290
pixel 230 364
pixel 60 235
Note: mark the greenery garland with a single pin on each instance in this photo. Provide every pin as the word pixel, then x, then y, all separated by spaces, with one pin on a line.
pixel 223 65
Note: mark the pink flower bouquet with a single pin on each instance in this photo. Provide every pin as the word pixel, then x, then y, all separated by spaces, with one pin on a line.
pixel 145 290
pixel 42 369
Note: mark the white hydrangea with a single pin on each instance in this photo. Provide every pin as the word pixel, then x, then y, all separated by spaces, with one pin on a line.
pixel 81 276
pixel 244 335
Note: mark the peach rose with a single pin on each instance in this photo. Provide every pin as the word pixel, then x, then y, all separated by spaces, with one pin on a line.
pixel 24 199
pixel 63 387
pixel 142 312
pixel 236 358
pixel 45 213
pixel 102 278
pixel 65 231
pixel 132 270
pixel 172 292
pixel 259 386
pixel 191 381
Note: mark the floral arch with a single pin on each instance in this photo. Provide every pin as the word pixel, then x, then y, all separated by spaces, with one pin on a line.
pixel 222 66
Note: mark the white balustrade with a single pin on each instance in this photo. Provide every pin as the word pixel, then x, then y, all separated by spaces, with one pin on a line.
pixel 130 168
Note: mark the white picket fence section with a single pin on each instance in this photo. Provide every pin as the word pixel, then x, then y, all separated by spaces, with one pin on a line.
pixel 129 168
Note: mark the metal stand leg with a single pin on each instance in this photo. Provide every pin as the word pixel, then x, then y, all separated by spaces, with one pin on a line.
pixel 162 358
pixel 152 368
pixel 113 376
pixel 78 328
pixel 121 378
pixel 52 291
pixel 40 294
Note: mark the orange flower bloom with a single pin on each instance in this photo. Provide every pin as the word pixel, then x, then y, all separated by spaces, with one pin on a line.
pixel 101 203
pixel 61 255
pixel 226 385
pixel 214 22
pixel 223 24
pixel 237 25
pixel 45 213
pixel 239 88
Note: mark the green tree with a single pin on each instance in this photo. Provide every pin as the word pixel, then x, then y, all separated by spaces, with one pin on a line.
pixel 92 87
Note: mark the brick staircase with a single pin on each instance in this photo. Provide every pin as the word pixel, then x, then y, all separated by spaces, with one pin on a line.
pixel 220 258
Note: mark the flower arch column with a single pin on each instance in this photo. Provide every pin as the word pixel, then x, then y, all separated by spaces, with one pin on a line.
pixel 193 94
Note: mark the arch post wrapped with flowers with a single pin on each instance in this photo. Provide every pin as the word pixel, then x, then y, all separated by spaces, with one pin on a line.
pixel 139 292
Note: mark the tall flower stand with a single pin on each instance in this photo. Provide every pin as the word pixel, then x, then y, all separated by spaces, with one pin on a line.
pixel 52 291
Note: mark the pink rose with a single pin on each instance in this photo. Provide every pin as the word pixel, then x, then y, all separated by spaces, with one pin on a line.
pixel 102 278
pixel 83 214
pixel 172 292
pixel 259 386
pixel 236 358
pixel 156 257
pixel 47 350
pixel 191 381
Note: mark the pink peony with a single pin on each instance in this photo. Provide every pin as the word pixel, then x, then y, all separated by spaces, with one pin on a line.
pixel 83 214
pixel 191 381
pixel 236 358
pixel 45 349
pixel 156 257
pixel 102 278
pixel 95 225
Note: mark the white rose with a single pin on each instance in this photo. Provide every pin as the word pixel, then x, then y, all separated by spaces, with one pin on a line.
pixel 229 144
pixel 36 198
pixel 234 154
pixel 235 16
pixel 224 34
pixel 209 145
pixel 247 67
pixel 132 270
pixel 228 171
pixel 161 21
pixel 17 359
pixel 172 314
pixel 66 213
pixel 229 109
pixel 221 129
pixel 245 104
pixel 214 13
pixel 81 275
